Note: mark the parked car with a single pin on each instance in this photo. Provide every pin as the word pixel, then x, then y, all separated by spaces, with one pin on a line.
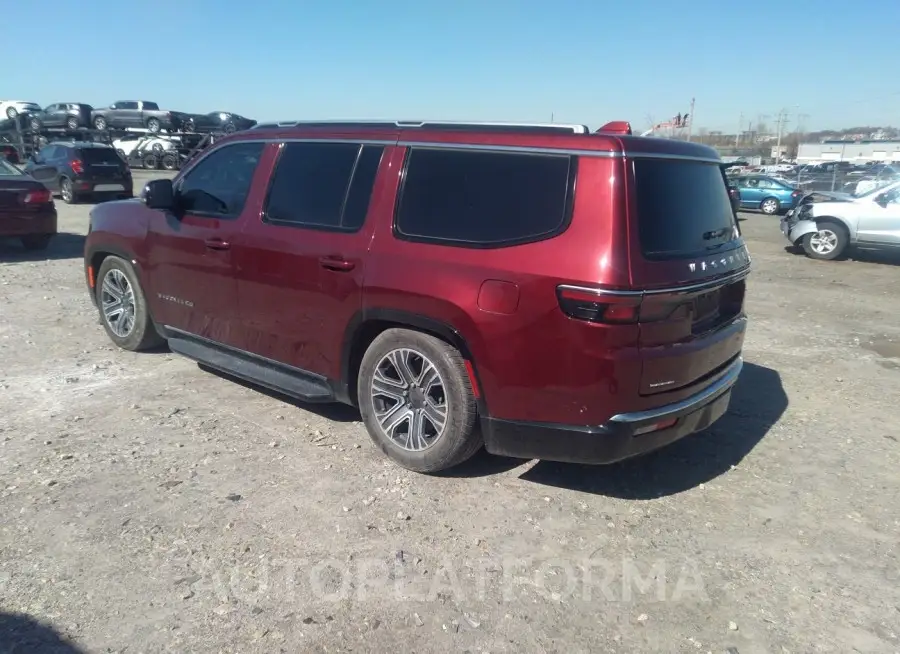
pixel 766 193
pixel 12 108
pixel 149 151
pixel 137 114
pixel 828 228
pixel 70 115
pixel 79 169
pixel 453 282
pixel 27 211
pixel 217 121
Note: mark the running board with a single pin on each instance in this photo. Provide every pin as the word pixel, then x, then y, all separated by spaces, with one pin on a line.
pixel 249 367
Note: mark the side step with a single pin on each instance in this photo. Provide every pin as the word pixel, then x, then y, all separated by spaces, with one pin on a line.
pixel 256 370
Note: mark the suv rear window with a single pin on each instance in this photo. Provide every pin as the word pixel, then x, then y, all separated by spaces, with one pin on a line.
pixel 484 199
pixel 682 207
pixel 99 155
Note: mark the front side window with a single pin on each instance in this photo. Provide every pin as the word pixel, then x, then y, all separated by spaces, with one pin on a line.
pixel 484 199
pixel 220 183
pixel 323 185
pixel 125 105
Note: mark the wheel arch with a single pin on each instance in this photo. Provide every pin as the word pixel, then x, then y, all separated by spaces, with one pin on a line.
pixel 840 222
pixel 367 324
pixel 95 255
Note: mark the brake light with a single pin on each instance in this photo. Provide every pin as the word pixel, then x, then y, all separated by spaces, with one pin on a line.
pixel 42 196
pixel 77 166
pixel 594 306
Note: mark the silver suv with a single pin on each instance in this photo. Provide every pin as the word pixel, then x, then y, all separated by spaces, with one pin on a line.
pixel 826 229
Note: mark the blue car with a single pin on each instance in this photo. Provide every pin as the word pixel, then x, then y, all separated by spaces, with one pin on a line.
pixel 767 194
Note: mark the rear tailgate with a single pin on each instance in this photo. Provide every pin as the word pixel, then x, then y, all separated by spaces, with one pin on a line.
pixel 103 163
pixel 688 256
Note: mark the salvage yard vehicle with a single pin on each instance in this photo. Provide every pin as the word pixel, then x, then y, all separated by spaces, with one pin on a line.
pixel 12 108
pixel 766 193
pixel 80 169
pixel 540 290
pixel 136 114
pixel 68 115
pixel 27 211
pixel 826 229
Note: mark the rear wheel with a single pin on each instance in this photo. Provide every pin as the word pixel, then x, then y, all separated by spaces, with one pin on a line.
pixel 123 307
pixel 36 241
pixel 151 161
pixel 828 244
pixel 35 124
pixel 770 206
pixel 417 402
pixel 153 125
pixel 100 123
pixel 67 191
pixel 11 112
pixel 72 123
pixel 170 161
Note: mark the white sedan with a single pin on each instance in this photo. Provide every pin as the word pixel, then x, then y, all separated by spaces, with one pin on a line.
pixel 12 108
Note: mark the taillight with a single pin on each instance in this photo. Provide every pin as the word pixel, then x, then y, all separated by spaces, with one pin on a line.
pixel 77 166
pixel 796 194
pixel 42 196
pixel 601 307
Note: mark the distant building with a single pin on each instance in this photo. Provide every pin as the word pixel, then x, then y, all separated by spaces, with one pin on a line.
pixel 856 151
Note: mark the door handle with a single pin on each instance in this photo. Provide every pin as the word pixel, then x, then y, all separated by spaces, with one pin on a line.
pixel 338 264
pixel 217 244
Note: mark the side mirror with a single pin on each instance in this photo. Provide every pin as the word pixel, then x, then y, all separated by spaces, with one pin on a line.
pixel 159 194
pixel 882 199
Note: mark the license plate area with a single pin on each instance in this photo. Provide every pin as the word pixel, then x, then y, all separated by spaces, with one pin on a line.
pixel 108 187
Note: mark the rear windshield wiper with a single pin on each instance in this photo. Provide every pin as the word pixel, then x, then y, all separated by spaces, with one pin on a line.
pixel 716 233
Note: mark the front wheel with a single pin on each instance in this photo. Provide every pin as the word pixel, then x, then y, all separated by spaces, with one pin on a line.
pixel 770 206
pixel 827 244
pixel 72 123
pixel 100 123
pixel 417 402
pixel 123 307
pixel 11 112
pixel 153 125
pixel 170 161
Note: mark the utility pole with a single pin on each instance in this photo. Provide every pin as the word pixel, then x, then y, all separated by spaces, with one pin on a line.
pixel 782 118
pixel 690 124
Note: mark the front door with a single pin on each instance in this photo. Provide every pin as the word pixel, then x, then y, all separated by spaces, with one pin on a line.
pixel 751 194
pixel 189 257
pixel 880 223
pixel 301 266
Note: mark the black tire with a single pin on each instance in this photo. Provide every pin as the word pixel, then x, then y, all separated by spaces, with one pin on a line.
pixel 150 161
pixel 36 242
pixel 157 149
pixel 34 124
pixel 770 206
pixel 72 123
pixel 143 334
pixel 170 162
pixel 460 438
pixel 100 123
pixel 11 113
pixel 229 128
pixel 67 191
pixel 828 230
pixel 153 125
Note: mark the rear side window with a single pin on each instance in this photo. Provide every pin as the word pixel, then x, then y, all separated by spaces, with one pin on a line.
pixel 682 208
pixel 484 199
pixel 99 155
pixel 323 185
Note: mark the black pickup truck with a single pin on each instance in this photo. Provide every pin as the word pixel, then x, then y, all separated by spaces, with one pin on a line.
pixel 137 113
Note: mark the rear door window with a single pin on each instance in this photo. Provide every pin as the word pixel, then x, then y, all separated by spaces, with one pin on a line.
pixel 682 208
pixel 484 199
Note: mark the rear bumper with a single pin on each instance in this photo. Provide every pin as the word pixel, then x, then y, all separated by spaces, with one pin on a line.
pixel 111 185
pixel 26 224
pixel 619 438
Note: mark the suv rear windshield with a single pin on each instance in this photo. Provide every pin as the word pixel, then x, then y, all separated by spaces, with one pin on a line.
pixel 99 155
pixel 683 208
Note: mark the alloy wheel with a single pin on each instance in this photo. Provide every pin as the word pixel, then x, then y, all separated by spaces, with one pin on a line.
pixel 65 190
pixel 823 242
pixel 770 206
pixel 409 399
pixel 117 303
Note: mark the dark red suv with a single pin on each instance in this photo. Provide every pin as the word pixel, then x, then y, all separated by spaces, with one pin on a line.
pixel 543 291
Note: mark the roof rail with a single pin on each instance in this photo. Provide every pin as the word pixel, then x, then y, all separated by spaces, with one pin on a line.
pixel 430 124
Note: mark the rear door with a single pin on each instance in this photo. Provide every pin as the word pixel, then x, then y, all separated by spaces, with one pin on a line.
pixel 689 261
pixel 41 168
pixel 104 168
pixel 300 265
pixel 190 264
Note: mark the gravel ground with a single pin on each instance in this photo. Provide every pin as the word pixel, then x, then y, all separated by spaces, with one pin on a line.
pixel 149 506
